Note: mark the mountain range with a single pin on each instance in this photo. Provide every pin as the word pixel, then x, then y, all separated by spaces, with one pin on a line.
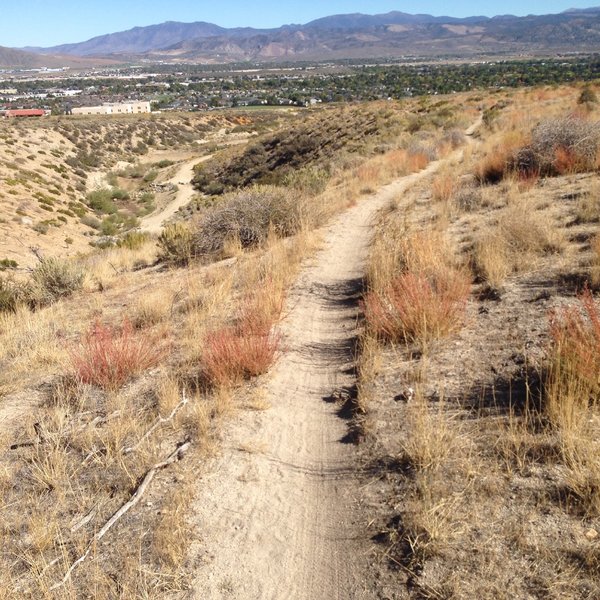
pixel 395 34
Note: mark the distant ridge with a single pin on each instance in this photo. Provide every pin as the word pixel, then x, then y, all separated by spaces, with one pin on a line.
pixel 13 58
pixel 350 36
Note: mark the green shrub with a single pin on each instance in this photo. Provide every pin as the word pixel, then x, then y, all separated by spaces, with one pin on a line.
pixel 42 227
pixel 54 278
pixel 310 180
pixel 91 221
pixel 7 263
pixel 134 240
pixel 162 164
pixel 101 201
pixel 587 96
pixel 119 194
pixel 176 244
pixel 150 176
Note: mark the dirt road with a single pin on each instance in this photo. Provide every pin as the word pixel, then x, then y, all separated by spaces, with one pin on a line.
pixel 279 518
pixel 185 192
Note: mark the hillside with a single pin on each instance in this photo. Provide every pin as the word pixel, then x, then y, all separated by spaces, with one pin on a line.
pixel 363 364
pixel 13 58
pixel 393 34
pixel 67 184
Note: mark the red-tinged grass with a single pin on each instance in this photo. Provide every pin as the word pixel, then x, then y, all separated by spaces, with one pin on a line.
pixel 230 356
pixel 418 308
pixel 248 348
pixel 566 161
pixel 573 381
pixel 528 179
pixel 261 309
pixel 417 162
pixel 108 358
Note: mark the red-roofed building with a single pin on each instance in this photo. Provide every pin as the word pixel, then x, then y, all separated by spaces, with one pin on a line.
pixel 25 112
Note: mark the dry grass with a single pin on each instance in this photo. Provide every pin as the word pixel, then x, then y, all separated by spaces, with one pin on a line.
pixel 444 187
pixel 151 309
pixel 515 242
pixel 84 443
pixel 432 437
pixel 104 269
pixel 417 292
pixel 108 358
pixel 595 263
pixel 497 156
pixel 488 481
pixel 32 345
pixel 572 385
pixel 588 205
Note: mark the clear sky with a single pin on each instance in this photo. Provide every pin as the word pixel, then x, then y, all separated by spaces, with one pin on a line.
pixel 52 22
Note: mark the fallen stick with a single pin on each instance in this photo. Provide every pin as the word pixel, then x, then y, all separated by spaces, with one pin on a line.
pixel 156 424
pixel 148 433
pixel 135 498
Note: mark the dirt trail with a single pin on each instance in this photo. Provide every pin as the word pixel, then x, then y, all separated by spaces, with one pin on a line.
pixel 279 516
pixel 185 192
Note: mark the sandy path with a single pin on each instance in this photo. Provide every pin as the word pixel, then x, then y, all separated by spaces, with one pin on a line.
pixel 185 192
pixel 279 517
pixel 154 223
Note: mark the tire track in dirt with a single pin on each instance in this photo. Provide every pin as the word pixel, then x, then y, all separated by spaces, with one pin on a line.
pixel 284 521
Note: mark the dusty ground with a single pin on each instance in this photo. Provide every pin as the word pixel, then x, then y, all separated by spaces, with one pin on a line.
pixel 185 192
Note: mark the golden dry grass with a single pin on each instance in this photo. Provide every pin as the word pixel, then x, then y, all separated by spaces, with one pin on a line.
pixel 515 242
pixel 595 263
pixel 489 479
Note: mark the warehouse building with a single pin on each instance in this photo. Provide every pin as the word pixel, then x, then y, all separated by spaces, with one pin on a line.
pixel 115 108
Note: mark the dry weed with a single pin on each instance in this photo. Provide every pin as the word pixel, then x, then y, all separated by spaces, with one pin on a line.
pixel 595 263
pixel 443 187
pixel 514 244
pixel 152 309
pixel 108 358
pixel 431 436
pixel 572 384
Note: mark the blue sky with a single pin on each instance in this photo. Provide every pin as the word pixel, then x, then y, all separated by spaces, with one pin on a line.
pixel 50 22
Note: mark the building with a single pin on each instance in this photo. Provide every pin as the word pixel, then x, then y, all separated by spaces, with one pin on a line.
pixel 25 112
pixel 115 108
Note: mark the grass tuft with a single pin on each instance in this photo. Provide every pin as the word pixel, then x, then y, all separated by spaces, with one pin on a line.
pixel 108 358
pixel 417 308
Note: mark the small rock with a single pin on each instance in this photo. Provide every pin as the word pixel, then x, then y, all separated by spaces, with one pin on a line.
pixel 591 534
pixel 407 395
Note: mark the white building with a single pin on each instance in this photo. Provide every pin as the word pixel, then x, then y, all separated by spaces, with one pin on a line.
pixel 116 108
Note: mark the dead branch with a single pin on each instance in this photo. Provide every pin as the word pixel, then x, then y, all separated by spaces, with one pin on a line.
pixel 156 424
pixel 85 519
pixel 135 498
pixel 40 438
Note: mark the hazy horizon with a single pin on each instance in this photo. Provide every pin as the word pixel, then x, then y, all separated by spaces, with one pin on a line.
pixel 54 23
